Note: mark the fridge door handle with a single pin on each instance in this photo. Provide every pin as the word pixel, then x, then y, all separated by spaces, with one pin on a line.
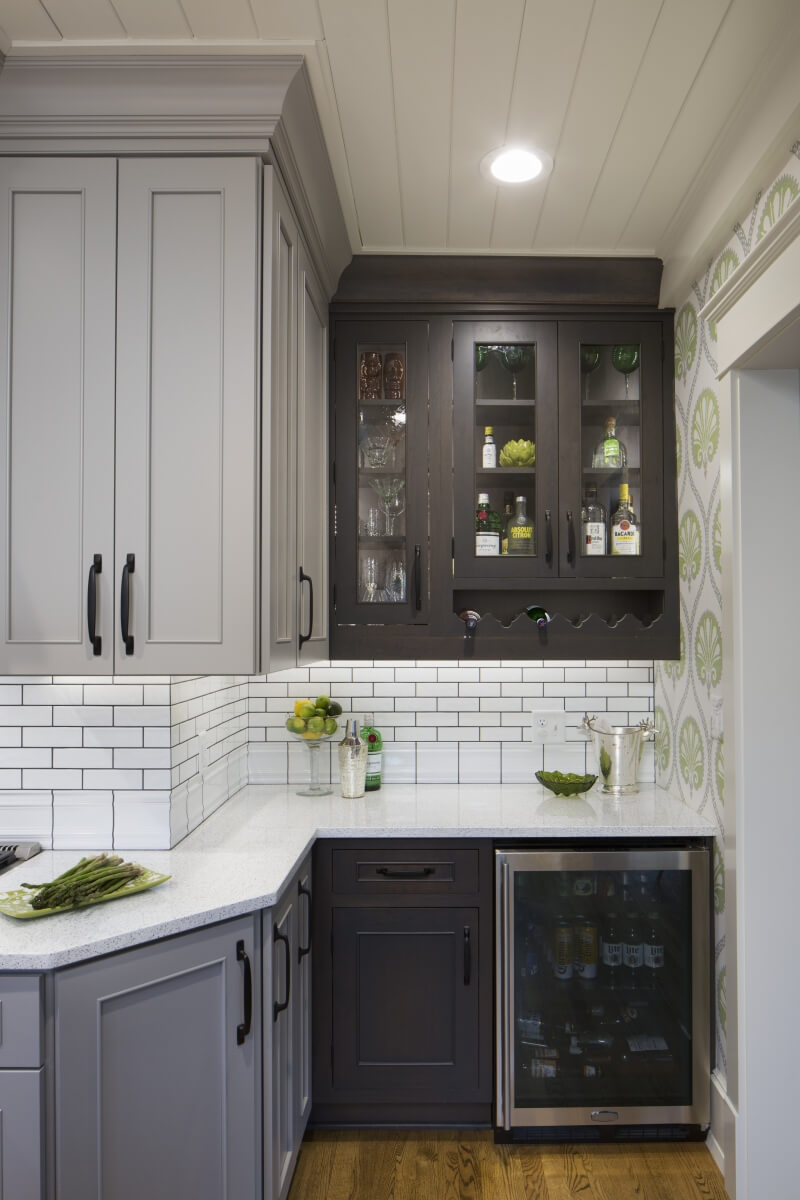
pixel 503 996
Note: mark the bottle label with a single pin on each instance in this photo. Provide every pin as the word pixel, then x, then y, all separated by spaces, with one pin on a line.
pixel 611 451
pixel 487 545
pixel 594 537
pixel 612 954
pixel 632 955
pixel 642 1043
pixel 490 455
pixel 653 956
pixel 625 538
pixel 520 539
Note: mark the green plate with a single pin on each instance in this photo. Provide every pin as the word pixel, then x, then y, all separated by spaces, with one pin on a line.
pixel 18 902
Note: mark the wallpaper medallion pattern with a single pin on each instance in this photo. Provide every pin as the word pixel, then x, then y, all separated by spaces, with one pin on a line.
pixel 687 759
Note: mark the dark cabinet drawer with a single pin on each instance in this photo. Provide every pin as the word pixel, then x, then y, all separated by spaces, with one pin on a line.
pixel 427 870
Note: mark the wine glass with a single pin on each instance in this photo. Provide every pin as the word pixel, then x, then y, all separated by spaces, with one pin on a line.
pixel 388 489
pixel 515 359
pixel 625 359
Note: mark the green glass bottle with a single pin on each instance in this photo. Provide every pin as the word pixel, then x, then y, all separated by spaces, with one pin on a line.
pixel 374 741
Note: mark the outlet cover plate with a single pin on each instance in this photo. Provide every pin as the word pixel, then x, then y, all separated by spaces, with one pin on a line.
pixel 548 726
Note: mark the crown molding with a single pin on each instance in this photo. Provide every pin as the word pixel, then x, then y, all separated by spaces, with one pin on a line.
pixel 765 252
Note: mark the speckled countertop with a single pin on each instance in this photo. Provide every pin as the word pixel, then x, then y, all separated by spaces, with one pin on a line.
pixel 240 859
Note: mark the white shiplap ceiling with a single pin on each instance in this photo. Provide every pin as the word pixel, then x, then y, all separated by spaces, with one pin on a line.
pixel 641 104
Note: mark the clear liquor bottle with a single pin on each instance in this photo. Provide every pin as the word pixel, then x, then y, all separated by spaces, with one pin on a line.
pixel 487 529
pixel 625 528
pixel 610 452
pixel 519 530
pixel 489 453
pixel 594 526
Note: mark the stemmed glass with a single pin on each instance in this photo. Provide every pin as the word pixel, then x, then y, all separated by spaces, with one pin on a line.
pixel 625 359
pixel 393 503
pixel 515 359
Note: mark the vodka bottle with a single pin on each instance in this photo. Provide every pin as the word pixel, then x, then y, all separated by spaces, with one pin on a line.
pixel 594 528
pixel 519 530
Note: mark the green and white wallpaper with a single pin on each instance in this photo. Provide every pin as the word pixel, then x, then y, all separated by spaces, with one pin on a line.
pixel 688 760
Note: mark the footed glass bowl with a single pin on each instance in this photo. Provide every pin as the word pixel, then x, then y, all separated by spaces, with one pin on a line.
pixel 314 741
pixel 566 785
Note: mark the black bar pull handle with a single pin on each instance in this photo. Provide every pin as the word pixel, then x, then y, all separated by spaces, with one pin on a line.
pixel 548 537
pixel 125 602
pixel 279 1006
pixel 467 956
pixel 243 1030
pixel 392 873
pixel 418 578
pixel 302 951
pixel 306 637
pixel 570 537
pixel 91 605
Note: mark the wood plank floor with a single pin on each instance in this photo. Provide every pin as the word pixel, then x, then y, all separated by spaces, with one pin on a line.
pixel 467 1165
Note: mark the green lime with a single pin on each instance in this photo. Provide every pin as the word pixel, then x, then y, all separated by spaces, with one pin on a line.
pixel 306 710
pixel 295 724
pixel 316 724
pixel 331 725
pixel 322 701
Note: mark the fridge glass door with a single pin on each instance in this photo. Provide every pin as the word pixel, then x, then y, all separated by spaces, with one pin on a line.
pixel 606 1020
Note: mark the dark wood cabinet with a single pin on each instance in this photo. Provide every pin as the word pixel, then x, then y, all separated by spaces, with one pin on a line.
pixel 402 983
pixel 546 366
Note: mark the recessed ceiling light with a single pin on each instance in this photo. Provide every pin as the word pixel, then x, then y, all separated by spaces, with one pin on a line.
pixel 515 164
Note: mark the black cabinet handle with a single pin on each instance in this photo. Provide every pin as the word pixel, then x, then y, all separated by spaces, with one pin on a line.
pixel 467 956
pixel 306 637
pixel 392 873
pixel 570 537
pixel 278 1006
pixel 91 605
pixel 243 1029
pixel 548 537
pixel 125 602
pixel 302 951
pixel 417 578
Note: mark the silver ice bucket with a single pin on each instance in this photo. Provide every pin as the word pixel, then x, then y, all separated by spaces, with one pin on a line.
pixel 619 751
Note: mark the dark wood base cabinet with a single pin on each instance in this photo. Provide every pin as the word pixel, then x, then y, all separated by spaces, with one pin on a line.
pixel 402 988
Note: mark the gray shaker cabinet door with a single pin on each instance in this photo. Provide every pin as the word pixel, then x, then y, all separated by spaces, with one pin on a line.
pixel 21 1134
pixel 57 295
pixel 155 1097
pixel 187 414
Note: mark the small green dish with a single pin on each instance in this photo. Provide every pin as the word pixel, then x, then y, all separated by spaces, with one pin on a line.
pixel 566 785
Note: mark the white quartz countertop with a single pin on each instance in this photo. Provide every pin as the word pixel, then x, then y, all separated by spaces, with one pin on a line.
pixel 241 858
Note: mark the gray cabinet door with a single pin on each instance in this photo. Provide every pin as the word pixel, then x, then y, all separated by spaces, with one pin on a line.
pixel 313 528
pixel 155 1095
pixel 57 281
pixel 279 1029
pixel 280 587
pixel 21 1140
pixel 187 413
pixel 301 1000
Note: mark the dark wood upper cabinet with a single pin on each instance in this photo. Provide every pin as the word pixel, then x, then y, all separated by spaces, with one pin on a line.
pixel 424 375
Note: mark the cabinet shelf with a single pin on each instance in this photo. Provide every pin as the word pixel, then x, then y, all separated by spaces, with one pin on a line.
pixel 500 473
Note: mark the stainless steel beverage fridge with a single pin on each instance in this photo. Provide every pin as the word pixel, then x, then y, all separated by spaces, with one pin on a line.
pixel 603 993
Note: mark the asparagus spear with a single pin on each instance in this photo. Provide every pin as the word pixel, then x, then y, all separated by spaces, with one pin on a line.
pixel 88 880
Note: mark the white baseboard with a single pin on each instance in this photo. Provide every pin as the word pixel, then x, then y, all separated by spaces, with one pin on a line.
pixel 721 1139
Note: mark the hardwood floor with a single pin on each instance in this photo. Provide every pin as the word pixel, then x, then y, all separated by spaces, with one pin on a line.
pixel 441 1164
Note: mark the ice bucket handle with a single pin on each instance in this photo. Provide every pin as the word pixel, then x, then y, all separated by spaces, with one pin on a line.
pixel 646 726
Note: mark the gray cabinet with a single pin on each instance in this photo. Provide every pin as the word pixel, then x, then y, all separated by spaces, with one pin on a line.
pixel 295 433
pixel 129 307
pixel 22 1088
pixel 158 1069
pixel 287 1031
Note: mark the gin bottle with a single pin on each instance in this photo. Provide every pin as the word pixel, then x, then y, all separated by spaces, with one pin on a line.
pixel 487 529
pixel 610 452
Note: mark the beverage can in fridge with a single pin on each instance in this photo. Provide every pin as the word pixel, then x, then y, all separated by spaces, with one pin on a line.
pixel 563 948
pixel 586 947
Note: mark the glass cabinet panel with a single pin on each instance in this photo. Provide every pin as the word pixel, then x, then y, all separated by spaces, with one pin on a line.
pixel 504 444
pixel 611 461
pixel 382 561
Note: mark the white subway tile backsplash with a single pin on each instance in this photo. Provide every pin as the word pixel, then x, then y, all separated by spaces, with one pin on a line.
pixel 12 714
pixel 9 694
pixel 72 757
pixel 437 763
pixel 142 820
pixel 9 736
pixel 28 816
pixel 10 777
pixel 51 735
pixel 479 763
pixel 113 780
pixel 79 714
pixel 111 735
pixel 17 756
pixel 51 693
pixel 39 780
pixel 83 820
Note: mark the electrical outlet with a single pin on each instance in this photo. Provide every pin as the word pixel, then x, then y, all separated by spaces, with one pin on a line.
pixel 548 725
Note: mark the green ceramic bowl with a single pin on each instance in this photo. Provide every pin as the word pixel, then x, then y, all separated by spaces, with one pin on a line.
pixel 566 785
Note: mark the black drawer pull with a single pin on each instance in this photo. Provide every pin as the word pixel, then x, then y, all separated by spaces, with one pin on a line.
pixel 279 1006
pixel 125 602
pixel 91 605
pixel 467 956
pixel 393 873
pixel 548 555
pixel 302 951
pixel 570 537
pixel 306 637
pixel 243 1029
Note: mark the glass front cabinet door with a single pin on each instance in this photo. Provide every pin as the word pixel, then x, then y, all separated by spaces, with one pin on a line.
pixel 381 427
